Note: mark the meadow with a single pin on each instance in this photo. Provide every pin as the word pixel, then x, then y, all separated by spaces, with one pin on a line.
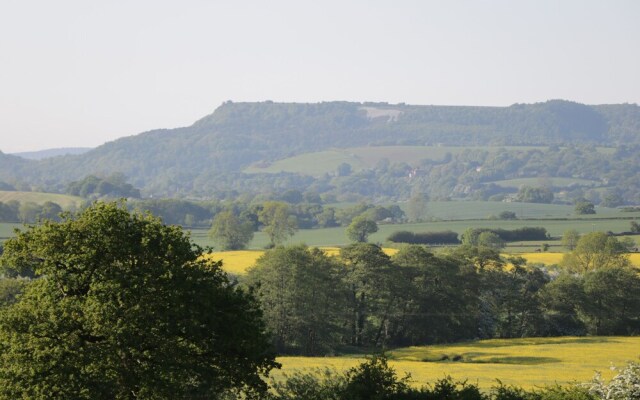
pixel 553 181
pixel 63 200
pixel 459 216
pixel 337 236
pixel 530 362
pixel 326 162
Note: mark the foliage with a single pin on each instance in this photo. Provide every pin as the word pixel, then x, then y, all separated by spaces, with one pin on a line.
pixel 301 301
pixel 360 229
pixel 471 235
pixel 206 158
pixel 490 239
pixel 125 307
pixel 446 237
pixel 113 186
pixel 570 239
pixel 625 385
pixel 374 380
pixel 417 208
pixel 231 232
pixel 528 194
pixel 596 250
pixel 278 223
pixel 507 215
pixel 585 208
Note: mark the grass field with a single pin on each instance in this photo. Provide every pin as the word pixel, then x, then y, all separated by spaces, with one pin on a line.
pixel 337 236
pixel 322 162
pixel 319 163
pixel 523 362
pixel 553 181
pixel 457 210
pixel 63 200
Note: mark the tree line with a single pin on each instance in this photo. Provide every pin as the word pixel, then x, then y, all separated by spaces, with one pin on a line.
pixel 317 305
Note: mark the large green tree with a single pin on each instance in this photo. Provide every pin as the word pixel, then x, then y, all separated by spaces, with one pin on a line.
pixel 278 222
pixel 302 297
pixel 230 232
pixel 596 250
pixel 124 307
pixel 360 229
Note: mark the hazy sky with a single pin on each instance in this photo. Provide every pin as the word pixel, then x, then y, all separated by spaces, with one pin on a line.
pixel 80 73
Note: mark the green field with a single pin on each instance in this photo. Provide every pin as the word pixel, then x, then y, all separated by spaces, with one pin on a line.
pixel 457 210
pixel 461 215
pixel 319 163
pixel 553 181
pixel 522 362
pixel 63 200
pixel 337 236
pixel 456 216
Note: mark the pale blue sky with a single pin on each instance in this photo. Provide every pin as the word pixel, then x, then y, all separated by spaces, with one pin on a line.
pixel 80 73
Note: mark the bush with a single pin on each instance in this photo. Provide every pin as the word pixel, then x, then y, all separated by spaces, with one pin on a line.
pixel 445 237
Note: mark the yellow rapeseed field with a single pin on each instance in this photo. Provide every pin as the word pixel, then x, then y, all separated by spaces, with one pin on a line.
pixel 555 258
pixel 237 262
pixel 523 362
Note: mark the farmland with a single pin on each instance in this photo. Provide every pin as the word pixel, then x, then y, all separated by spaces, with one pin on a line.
pixel 527 362
pixel 553 181
pixel 63 200
pixel 237 262
pixel 327 161
pixel 337 236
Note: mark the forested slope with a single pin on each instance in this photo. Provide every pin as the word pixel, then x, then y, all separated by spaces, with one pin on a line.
pixel 185 161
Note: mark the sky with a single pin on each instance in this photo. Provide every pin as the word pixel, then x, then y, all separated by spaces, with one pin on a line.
pixel 81 73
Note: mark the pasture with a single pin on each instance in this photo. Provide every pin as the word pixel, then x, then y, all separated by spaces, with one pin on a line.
pixel 63 200
pixel 327 237
pixel 529 362
pixel 326 162
pixel 552 181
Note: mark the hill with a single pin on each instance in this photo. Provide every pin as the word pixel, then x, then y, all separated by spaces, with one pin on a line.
pixel 63 200
pixel 48 153
pixel 207 158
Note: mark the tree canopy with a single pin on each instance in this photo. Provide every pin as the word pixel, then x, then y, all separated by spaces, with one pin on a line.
pixel 125 307
pixel 231 232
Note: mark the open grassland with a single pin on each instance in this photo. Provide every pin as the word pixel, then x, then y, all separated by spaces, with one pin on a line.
pixel 63 200
pixel 523 362
pixel 553 181
pixel 337 236
pixel 237 262
pixel 322 162
pixel 456 210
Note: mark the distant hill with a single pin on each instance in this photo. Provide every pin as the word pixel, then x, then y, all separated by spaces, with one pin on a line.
pixel 65 201
pixel 48 153
pixel 208 157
